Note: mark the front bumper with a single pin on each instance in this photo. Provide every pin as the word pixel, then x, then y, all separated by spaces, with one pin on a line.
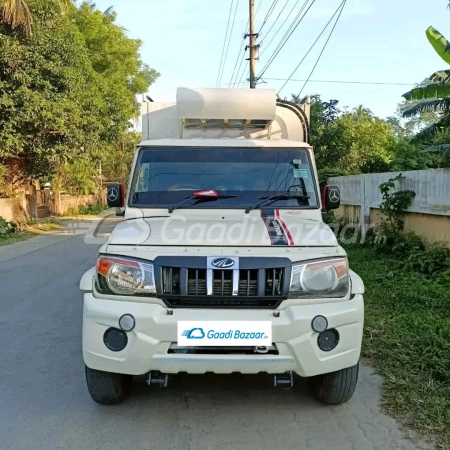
pixel 155 331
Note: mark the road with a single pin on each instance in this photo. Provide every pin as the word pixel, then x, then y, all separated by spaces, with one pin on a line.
pixel 44 404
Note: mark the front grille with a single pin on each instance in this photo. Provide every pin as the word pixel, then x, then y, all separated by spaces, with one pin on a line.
pixel 196 282
pixel 255 288
pixel 248 283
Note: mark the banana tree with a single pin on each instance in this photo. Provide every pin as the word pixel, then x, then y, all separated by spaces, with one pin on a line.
pixel 16 13
pixel 435 94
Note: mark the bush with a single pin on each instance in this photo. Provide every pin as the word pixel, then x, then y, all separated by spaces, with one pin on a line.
pixel 7 228
pixel 86 210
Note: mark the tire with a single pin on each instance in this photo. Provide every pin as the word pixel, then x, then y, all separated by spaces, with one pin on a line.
pixel 335 388
pixel 108 388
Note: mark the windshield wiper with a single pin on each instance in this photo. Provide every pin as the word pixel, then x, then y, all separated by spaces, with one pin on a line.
pixel 275 198
pixel 202 196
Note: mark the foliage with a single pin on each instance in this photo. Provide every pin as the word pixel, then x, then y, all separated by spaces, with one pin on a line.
pixel 86 210
pixel 5 188
pixel 115 57
pixel 407 337
pixel 7 228
pixel 80 177
pixel 433 96
pixel 349 142
pixel 67 93
pixel 439 43
pixel 52 108
pixel 366 139
pixel 117 164
pixel 17 15
pixel 393 208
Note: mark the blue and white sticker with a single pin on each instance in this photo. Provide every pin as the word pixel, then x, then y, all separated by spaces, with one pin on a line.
pixel 224 333
pixel 300 173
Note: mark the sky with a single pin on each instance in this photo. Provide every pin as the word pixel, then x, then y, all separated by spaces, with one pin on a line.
pixel 379 41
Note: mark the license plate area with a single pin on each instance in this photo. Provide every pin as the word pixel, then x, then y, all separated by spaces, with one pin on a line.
pixel 176 349
pixel 224 333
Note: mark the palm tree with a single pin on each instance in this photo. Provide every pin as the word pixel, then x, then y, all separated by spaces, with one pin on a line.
pixel 360 112
pixel 434 94
pixel 17 14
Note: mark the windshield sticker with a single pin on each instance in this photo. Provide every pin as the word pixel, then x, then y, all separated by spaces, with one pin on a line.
pixel 300 173
pixel 297 162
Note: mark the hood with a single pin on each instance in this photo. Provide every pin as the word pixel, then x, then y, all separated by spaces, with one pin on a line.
pixel 265 228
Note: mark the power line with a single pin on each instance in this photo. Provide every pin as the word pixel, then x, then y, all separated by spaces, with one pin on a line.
pixel 284 21
pixel 313 45
pixel 380 83
pixel 235 72
pixel 275 54
pixel 224 42
pixel 269 13
pixel 229 40
pixel 324 47
pixel 276 20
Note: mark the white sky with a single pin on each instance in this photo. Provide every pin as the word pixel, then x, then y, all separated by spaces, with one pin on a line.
pixel 375 40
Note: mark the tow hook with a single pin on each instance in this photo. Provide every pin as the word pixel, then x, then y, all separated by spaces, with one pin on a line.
pixel 261 349
pixel 285 380
pixel 158 379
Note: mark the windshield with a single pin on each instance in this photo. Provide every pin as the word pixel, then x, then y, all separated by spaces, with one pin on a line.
pixel 166 176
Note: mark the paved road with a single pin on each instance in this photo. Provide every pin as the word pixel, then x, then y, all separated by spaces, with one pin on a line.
pixel 44 404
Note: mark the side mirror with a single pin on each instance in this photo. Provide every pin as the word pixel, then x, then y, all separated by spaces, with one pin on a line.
pixel 115 195
pixel 331 198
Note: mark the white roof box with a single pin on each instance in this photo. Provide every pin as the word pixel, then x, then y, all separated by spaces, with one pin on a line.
pixel 226 108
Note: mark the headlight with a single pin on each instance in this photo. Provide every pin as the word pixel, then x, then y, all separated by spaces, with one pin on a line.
pixel 125 276
pixel 328 278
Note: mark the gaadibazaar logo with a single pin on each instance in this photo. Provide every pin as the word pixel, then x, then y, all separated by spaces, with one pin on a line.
pixel 198 333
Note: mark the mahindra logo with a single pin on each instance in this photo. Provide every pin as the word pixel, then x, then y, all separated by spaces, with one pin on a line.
pixel 223 263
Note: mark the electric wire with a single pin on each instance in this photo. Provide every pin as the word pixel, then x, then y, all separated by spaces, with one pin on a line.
pixel 324 47
pixel 284 21
pixel 340 7
pixel 224 43
pixel 276 20
pixel 275 54
pixel 269 13
pixel 229 40
pixel 370 83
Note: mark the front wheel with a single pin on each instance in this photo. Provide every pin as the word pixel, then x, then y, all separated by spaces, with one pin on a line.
pixel 336 387
pixel 108 388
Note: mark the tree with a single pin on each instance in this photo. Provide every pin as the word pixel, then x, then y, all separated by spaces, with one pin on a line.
pixel 367 141
pixel 65 100
pixel 16 13
pixel 361 112
pixel 115 57
pixel 51 104
pixel 434 95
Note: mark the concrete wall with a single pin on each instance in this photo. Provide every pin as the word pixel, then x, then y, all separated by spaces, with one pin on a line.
pixel 428 215
pixel 71 202
pixel 16 209
pixel 42 204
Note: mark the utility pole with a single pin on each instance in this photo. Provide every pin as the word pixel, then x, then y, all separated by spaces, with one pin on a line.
pixel 252 46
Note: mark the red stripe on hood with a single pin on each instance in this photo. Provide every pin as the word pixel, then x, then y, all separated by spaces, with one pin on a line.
pixel 284 226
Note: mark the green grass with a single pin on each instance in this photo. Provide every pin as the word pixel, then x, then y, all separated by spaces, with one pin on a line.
pixel 407 337
pixel 88 210
pixel 28 231
pixel 16 237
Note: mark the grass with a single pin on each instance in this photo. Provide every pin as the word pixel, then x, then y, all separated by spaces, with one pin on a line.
pixel 28 231
pixel 407 337
pixel 86 210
